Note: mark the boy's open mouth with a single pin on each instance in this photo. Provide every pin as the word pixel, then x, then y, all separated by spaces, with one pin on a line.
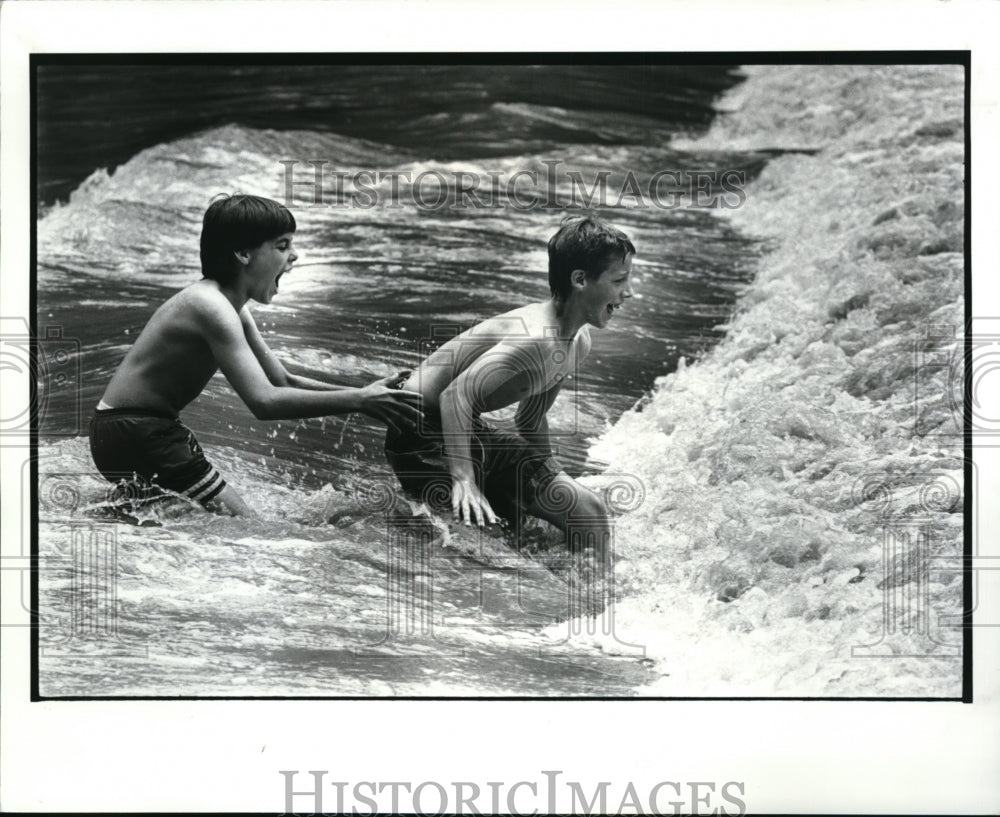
pixel 613 307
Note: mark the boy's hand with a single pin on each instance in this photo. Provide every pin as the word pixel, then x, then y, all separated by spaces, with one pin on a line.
pixel 384 401
pixel 467 500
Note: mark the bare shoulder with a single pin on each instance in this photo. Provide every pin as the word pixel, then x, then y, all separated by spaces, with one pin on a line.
pixel 527 324
pixel 206 304
pixel 203 294
pixel 517 324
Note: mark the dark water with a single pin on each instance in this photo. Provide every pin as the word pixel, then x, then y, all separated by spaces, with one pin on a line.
pixel 373 291
pixel 93 116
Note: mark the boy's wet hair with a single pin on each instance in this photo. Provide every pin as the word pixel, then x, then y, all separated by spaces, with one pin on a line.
pixel 587 243
pixel 239 222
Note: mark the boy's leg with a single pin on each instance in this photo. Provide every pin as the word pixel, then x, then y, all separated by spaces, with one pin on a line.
pixel 228 501
pixel 582 515
pixel 576 510
pixel 418 460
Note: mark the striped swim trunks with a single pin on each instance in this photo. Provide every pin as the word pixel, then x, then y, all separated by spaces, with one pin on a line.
pixel 129 444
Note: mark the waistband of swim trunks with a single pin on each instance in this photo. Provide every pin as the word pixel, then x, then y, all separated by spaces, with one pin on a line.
pixel 431 422
pixel 133 412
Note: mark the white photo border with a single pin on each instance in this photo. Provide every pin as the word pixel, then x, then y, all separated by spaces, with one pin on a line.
pixel 793 757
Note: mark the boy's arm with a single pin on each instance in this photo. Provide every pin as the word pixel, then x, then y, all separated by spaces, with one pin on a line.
pixel 532 421
pixel 300 381
pixel 465 398
pixel 223 329
pixel 272 365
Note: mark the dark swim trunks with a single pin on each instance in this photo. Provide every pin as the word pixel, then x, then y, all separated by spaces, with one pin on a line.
pixel 155 449
pixel 510 473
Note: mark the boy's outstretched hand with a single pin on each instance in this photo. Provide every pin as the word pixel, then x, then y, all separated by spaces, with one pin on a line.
pixel 467 500
pixel 384 401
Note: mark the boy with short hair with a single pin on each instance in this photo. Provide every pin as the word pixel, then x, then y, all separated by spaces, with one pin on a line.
pixel 246 247
pixel 522 357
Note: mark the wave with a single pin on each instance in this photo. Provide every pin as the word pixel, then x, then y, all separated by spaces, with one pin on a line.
pixel 146 215
pixel 791 472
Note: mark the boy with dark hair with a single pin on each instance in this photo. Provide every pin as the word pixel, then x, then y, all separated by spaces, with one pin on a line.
pixel 246 246
pixel 523 357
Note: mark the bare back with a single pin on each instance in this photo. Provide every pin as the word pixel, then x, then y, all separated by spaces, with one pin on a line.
pixel 171 361
pixel 516 355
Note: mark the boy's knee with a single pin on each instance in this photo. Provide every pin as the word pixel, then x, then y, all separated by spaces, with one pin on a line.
pixel 231 503
pixel 589 507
